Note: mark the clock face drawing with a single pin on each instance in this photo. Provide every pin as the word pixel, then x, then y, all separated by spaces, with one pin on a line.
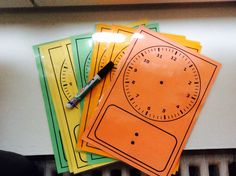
pixel 116 61
pixel 102 61
pixel 87 67
pixel 66 81
pixel 161 83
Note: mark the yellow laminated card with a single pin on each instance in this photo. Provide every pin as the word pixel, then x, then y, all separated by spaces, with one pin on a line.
pixel 58 65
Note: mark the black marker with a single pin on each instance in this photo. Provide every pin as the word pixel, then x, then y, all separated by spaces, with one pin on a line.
pixel 100 75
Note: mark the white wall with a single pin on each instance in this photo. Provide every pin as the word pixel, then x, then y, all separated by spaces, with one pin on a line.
pixel 23 124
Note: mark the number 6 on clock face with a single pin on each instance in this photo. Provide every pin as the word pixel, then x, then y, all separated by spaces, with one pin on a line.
pixel 170 91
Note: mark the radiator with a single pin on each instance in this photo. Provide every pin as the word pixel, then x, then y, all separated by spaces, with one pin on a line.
pixel 193 163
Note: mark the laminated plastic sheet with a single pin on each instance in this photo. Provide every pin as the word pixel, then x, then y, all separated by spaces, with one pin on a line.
pixel 146 116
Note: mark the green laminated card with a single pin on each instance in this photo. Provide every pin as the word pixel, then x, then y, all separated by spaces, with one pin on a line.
pixel 59 155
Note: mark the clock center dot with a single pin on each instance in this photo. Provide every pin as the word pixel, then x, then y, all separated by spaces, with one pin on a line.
pixel 161 82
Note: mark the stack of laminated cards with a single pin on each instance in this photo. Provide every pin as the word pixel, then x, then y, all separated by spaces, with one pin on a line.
pixel 142 112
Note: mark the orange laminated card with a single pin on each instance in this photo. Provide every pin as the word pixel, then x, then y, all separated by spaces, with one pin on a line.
pixel 146 116
pixel 96 93
pixel 102 39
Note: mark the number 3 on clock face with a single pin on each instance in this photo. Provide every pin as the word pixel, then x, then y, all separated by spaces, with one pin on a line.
pixel 161 83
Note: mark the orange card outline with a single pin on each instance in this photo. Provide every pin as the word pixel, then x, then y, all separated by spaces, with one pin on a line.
pixel 90 132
